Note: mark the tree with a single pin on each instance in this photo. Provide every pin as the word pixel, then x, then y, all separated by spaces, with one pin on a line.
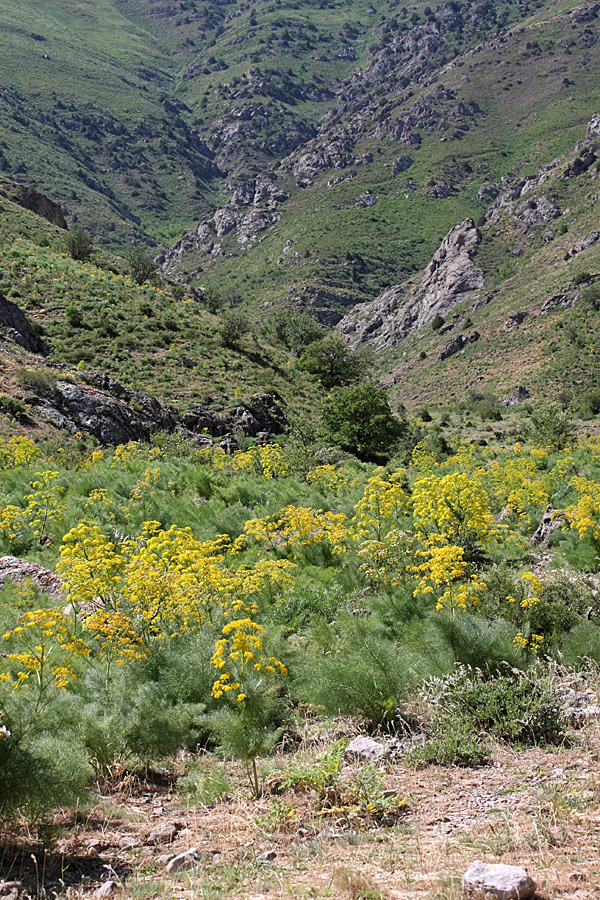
pixel 235 326
pixel 295 329
pixel 79 243
pixel 358 419
pixel 333 362
pixel 141 265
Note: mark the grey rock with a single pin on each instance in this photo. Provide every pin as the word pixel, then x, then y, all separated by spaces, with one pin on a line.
pixel 19 328
pixel 453 346
pixel 514 320
pixel 550 522
pixel 580 165
pixel 366 199
pixel 496 881
pixel 586 242
pixel 185 860
pixel 402 164
pixel 18 570
pixel 365 748
pixel 164 833
pixel 518 396
pixel 450 277
pixel 488 192
pixel 593 128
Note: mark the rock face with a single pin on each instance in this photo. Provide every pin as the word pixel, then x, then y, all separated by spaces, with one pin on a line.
pixel 19 329
pixel 450 277
pixel 483 881
pixel 550 522
pixel 29 198
pixel 588 241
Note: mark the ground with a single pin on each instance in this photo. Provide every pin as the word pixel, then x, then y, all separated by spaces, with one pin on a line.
pixel 535 807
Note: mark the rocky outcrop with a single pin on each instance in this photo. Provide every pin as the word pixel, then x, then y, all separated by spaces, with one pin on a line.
pixel 251 210
pixel 20 570
pixel 514 320
pixel 30 198
pixel 111 421
pixel 116 415
pixel 585 243
pixel 262 416
pixel 517 396
pixel 450 277
pixel 457 344
pixel 19 329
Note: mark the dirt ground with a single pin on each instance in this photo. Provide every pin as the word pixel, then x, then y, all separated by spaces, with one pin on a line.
pixel 537 807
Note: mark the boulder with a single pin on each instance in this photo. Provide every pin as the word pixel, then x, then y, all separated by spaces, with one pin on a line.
pixel 514 320
pixel 19 328
pixel 365 748
pixel 185 860
pixel 163 833
pixel 550 521
pixel 593 128
pixel 453 346
pixel 585 243
pixel 581 164
pixel 496 881
pixel 518 396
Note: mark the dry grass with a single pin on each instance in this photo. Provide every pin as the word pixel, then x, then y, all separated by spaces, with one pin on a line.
pixel 536 807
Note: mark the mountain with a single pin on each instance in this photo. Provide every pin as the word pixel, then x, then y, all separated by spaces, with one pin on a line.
pixel 380 167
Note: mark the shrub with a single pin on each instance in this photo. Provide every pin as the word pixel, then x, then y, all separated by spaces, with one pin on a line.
pixel 437 323
pixel 516 707
pixel 296 330
pixel 79 244
pixel 452 746
pixel 12 406
pixel 357 671
pixel 551 427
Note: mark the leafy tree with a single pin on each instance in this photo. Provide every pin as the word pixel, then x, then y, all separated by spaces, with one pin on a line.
pixel 79 244
pixel 141 265
pixel 296 330
pixel 358 418
pixel 235 326
pixel 334 363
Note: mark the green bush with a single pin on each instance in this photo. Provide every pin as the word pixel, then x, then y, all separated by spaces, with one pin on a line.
pixel 142 266
pixel 452 746
pixel 551 426
pixel 356 671
pixel 517 707
pixel 333 363
pixel 235 326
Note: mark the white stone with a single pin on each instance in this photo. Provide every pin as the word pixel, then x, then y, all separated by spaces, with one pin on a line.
pixel 183 860
pixel 105 890
pixel 484 881
pixel 365 747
